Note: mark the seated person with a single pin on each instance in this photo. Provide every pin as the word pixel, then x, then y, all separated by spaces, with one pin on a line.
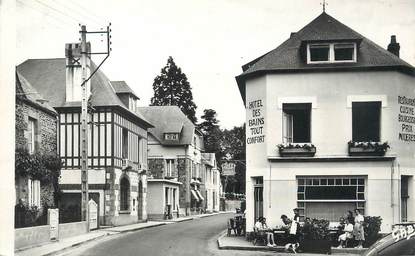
pixel 348 233
pixel 261 226
pixel 287 222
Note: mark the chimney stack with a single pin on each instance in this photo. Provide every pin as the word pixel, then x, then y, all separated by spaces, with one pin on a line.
pixel 74 71
pixel 393 46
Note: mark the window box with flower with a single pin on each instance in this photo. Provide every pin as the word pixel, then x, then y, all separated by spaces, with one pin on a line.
pixel 296 150
pixel 367 148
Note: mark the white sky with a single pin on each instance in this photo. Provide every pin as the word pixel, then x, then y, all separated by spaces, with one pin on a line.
pixel 209 39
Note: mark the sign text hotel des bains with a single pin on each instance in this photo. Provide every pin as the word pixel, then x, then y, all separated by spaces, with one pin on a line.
pixel 256 123
pixel 406 118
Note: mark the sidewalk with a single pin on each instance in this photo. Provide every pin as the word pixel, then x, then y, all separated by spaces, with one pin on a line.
pixel 240 243
pixel 52 248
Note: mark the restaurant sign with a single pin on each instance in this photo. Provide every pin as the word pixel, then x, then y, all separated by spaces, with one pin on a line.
pixel 406 118
pixel 228 169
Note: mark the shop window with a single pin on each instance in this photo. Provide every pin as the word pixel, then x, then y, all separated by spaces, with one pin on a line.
pixel 296 122
pixel 31 132
pixel 366 121
pixel 330 198
pixel 34 192
pixel 124 143
pixel 124 194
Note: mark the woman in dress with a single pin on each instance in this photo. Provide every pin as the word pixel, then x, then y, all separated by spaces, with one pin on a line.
pixel 359 232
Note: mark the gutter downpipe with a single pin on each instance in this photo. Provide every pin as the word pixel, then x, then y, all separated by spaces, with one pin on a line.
pixel 392 172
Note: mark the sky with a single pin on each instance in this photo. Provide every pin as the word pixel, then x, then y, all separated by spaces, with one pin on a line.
pixel 209 39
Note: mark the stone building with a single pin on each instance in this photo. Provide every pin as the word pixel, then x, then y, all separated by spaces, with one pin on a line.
pixel 330 127
pixel 175 149
pixel 36 134
pixel 117 140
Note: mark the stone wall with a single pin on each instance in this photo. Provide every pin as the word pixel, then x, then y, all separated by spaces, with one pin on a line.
pixel 156 168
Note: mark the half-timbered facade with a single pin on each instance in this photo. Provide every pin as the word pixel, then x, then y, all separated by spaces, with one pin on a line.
pixel 117 140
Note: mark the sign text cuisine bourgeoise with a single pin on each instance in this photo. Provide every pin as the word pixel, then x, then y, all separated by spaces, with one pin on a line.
pixel 406 118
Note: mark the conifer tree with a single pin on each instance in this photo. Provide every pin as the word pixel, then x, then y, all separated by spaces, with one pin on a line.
pixel 171 88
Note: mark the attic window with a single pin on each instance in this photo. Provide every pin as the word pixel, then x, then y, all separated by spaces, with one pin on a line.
pixel 171 136
pixel 331 53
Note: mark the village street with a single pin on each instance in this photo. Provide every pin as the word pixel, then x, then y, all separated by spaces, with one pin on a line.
pixel 195 237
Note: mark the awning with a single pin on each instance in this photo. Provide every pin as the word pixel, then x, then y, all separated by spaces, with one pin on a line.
pixel 200 195
pixel 195 195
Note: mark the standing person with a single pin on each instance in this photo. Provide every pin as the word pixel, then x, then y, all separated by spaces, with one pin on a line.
pixel 359 231
pixel 295 225
pixel 350 217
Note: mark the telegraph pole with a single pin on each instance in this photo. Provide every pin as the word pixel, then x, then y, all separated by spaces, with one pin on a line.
pixel 84 127
pixel 85 65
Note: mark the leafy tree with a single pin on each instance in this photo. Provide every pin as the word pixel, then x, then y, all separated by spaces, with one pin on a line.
pixel 212 134
pixel 172 88
pixel 233 147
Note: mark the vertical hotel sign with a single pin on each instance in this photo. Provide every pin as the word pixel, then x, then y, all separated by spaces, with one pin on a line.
pixel 255 129
pixel 406 118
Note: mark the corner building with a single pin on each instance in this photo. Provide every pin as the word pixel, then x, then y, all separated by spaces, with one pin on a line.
pixel 321 110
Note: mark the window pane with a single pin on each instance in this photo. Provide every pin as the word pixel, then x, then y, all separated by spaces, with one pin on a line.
pixel 330 181
pixel 366 121
pixel 300 181
pixel 319 52
pixel 361 196
pixel 344 52
pixel 361 181
pixel 300 188
pixel 323 181
pixel 346 181
pixel 308 182
pixel 300 113
pixel 353 181
pixel 331 192
pixel 300 204
pixel 300 196
pixel 338 181
pixel 316 182
pixel 361 189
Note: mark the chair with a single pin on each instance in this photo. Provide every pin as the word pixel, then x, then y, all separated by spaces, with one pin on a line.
pixel 259 236
pixel 231 226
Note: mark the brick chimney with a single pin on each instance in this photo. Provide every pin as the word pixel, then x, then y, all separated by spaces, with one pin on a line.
pixel 74 72
pixel 393 46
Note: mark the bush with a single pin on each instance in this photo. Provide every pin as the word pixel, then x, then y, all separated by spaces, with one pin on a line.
pixel 372 228
pixel 316 229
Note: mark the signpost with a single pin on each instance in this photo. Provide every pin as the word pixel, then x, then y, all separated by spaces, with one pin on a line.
pixel 53 221
pixel 93 214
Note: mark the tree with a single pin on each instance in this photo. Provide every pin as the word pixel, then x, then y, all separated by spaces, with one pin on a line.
pixel 172 88
pixel 233 148
pixel 212 134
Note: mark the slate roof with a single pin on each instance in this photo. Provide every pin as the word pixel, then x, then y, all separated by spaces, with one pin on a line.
pixel 288 56
pixel 122 87
pixel 48 77
pixel 26 92
pixel 169 119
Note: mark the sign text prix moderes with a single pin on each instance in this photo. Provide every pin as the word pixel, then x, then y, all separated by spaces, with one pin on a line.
pixel 255 123
pixel 406 118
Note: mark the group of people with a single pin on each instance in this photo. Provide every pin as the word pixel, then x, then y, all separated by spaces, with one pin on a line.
pixel 292 227
pixel 352 227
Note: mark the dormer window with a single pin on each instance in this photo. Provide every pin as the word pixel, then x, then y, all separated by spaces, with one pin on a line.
pixel 331 53
pixel 171 136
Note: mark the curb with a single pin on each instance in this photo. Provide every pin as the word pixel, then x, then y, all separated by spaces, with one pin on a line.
pixel 134 229
pixel 246 248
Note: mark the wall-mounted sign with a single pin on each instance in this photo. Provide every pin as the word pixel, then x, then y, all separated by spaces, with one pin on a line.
pixel 406 118
pixel 228 169
pixel 93 214
pixel 53 221
pixel 255 129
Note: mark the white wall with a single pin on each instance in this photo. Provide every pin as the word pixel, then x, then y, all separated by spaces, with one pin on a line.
pixel 331 129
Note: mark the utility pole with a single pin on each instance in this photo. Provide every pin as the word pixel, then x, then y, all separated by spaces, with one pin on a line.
pixel 85 65
pixel 84 127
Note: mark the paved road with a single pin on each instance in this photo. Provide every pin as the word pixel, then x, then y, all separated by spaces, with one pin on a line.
pixel 195 237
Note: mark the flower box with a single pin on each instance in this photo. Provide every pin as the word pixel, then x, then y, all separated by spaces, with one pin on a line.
pixel 367 148
pixel 290 150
